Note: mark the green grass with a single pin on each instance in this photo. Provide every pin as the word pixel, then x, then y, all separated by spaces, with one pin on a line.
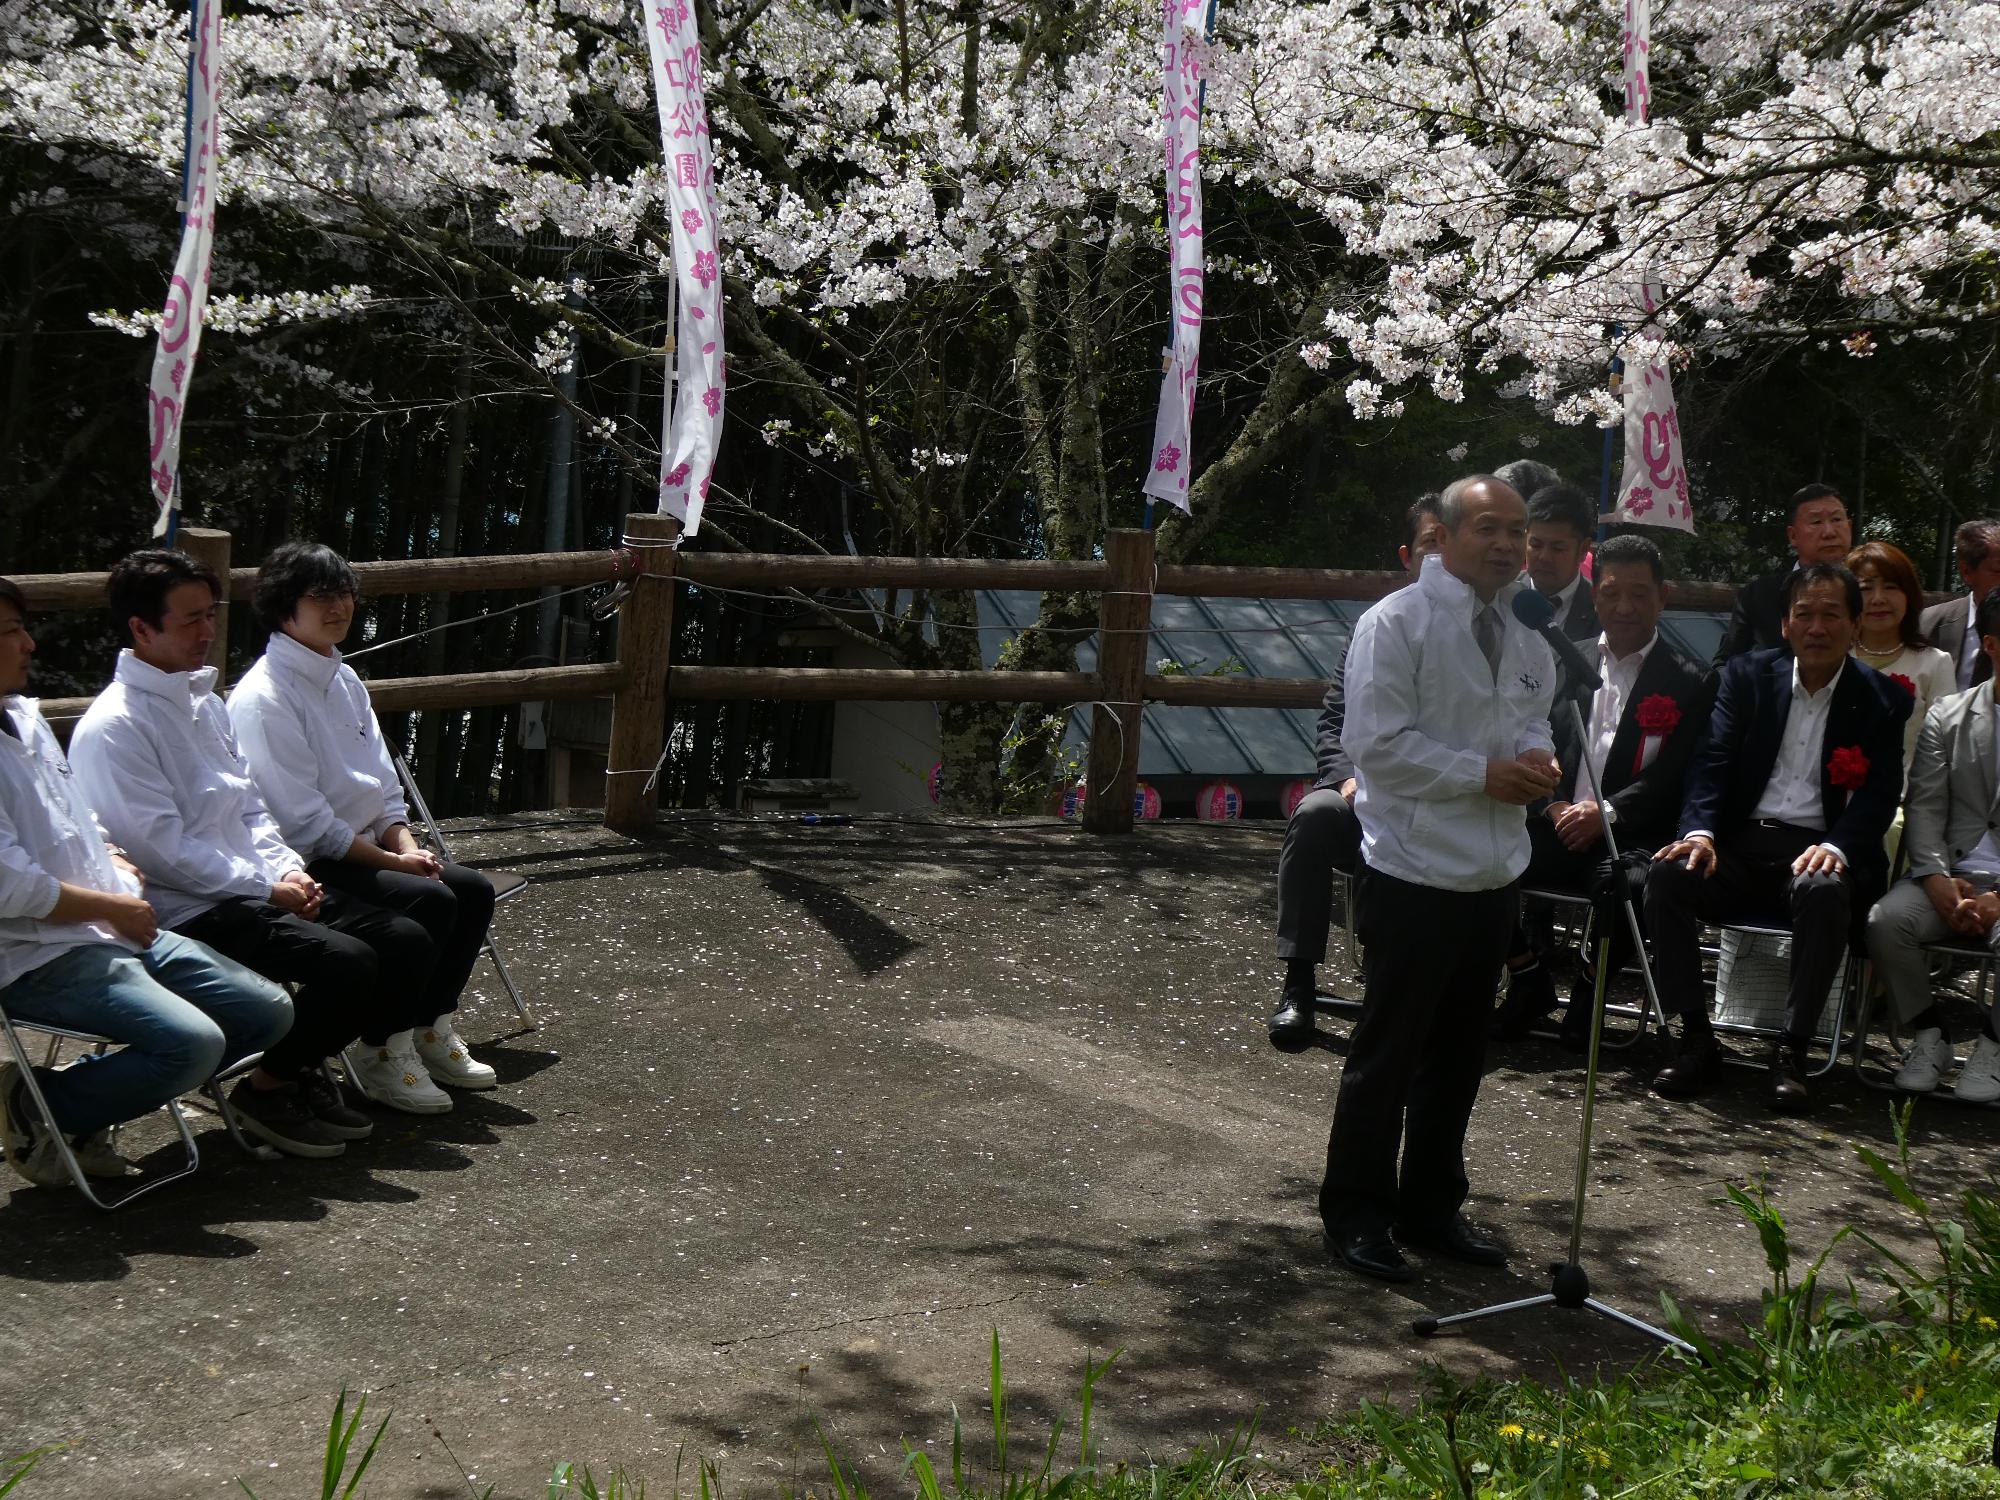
pixel 1887 1390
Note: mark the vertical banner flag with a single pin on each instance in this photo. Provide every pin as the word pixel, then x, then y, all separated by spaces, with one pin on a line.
pixel 1653 491
pixel 694 419
pixel 1180 115
pixel 187 292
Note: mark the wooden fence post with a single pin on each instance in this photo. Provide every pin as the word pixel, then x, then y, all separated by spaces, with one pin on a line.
pixel 1124 622
pixel 645 642
pixel 211 547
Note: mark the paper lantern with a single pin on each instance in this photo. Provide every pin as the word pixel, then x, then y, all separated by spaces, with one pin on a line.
pixel 1218 802
pixel 1070 804
pixel 937 781
pixel 1145 803
pixel 1293 794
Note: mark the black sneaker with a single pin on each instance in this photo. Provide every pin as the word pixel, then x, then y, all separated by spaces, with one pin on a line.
pixel 329 1106
pixel 1531 995
pixel 280 1117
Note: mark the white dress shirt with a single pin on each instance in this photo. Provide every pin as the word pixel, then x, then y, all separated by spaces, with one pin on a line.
pixel 1563 598
pixel 156 759
pixel 309 733
pixel 48 839
pixel 1425 712
pixel 1793 794
pixel 1607 708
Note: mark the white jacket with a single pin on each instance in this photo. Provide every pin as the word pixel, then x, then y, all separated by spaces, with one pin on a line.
pixel 310 735
pixel 48 839
pixel 155 757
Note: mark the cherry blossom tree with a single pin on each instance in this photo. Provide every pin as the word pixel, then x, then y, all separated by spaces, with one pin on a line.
pixel 942 225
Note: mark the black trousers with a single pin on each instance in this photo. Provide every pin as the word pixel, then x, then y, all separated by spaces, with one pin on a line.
pixel 453 912
pixel 1552 866
pixel 1323 835
pixel 338 963
pixel 1753 882
pixel 1413 1065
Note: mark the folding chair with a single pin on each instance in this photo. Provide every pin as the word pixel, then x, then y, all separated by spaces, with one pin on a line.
pixel 1645 1013
pixel 1829 1031
pixel 506 884
pixel 57 1035
pixel 1982 962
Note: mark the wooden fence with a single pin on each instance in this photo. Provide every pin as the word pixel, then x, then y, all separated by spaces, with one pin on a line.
pixel 643 679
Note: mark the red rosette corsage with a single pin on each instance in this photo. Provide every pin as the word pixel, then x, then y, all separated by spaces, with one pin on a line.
pixel 1904 683
pixel 1658 714
pixel 1847 768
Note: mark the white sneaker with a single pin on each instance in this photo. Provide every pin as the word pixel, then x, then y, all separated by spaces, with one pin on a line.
pixel 394 1075
pixel 1924 1066
pixel 97 1154
pixel 444 1054
pixel 1979 1079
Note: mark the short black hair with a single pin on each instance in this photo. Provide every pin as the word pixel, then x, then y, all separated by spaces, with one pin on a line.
pixel 1630 547
pixel 10 593
pixel 1975 539
pixel 1805 495
pixel 1988 617
pixel 290 573
pixel 1804 578
pixel 1527 477
pixel 141 581
pixel 1564 505
pixel 1425 506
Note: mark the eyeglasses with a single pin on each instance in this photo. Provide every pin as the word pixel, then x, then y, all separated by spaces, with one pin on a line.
pixel 330 596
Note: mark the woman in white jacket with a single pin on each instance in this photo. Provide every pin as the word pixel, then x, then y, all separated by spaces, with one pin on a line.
pixel 309 733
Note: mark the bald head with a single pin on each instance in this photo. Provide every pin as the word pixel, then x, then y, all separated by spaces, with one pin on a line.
pixel 1485 532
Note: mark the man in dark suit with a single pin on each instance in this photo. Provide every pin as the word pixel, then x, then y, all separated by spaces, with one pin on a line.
pixel 1949 626
pixel 1819 531
pixel 1324 835
pixel 1788 804
pixel 1561 523
pixel 1640 727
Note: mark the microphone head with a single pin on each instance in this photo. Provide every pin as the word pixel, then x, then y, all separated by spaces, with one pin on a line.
pixel 1533 610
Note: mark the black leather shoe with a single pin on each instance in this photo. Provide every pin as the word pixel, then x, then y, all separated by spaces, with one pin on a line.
pixel 1531 995
pixel 1574 1033
pixel 1291 1024
pixel 1694 1070
pixel 1369 1252
pixel 1458 1239
pixel 1788 1094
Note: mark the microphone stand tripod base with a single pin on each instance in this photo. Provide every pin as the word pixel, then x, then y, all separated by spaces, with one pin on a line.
pixel 1569 1283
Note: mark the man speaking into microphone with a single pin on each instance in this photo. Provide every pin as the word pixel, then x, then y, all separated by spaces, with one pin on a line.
pixel 1448 728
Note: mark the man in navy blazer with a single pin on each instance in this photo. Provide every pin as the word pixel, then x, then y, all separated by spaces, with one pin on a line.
pixel 1788 805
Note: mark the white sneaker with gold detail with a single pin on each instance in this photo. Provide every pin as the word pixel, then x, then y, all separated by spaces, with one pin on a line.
pixel 445 1055
pixel 393 1075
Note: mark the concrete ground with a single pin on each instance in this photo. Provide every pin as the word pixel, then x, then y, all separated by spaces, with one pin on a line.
pixel 814 1111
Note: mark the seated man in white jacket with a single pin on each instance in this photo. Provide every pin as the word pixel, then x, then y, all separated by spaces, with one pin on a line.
pixel 311 738
pixel 155 756
pixel 81 948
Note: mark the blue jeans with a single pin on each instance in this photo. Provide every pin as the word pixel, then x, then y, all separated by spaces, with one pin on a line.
pixel 178 1011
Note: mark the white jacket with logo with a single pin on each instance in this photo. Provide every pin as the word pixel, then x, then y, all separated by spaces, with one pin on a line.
pixel 156 759
pixel 309 732
pixel 48 839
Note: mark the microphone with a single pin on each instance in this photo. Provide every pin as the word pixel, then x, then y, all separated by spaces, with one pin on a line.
pixel 1538 613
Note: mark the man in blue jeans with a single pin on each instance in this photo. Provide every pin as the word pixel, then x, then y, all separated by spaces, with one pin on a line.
pixel 81 948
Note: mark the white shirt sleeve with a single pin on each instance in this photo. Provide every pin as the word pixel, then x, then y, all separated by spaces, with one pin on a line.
pixel 1380 733
pixel 280 754
pixel 26 889
pixel 122 779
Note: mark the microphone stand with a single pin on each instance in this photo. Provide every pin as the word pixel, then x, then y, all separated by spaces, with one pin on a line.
pixel 1569 1285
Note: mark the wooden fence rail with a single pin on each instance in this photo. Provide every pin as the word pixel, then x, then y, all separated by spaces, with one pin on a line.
pixel 643 680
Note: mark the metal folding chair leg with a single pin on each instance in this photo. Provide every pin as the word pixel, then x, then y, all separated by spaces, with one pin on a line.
pixel 48 1123
pixel 491 949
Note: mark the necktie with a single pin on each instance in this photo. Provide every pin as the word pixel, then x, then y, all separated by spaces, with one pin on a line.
pixel 1486 631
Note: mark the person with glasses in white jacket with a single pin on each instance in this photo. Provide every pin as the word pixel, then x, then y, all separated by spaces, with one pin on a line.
pixel 81 948
pixel 314 746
